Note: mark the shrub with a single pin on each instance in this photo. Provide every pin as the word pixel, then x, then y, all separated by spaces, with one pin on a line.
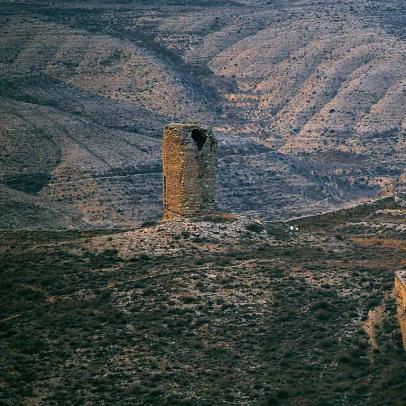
pixel 148 223
pixel 322 314
pixel 219 218
pixel 254 227
pixel 188 299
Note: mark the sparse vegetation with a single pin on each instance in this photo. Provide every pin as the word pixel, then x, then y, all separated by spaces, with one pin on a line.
pixel 252 324
pixel 113 307
pixel 81 125
pixel 255 227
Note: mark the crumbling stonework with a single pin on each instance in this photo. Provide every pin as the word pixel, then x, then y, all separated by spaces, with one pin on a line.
pixel 400 291
pixel 188 155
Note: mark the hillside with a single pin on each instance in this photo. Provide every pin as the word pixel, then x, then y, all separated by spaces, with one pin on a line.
pixel 225 310
pixel 306 97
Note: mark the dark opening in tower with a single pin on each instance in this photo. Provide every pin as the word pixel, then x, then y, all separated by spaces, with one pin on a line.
pixel 199 136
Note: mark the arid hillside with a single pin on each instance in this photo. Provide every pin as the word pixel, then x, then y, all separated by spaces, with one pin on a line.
pixel 307 99
pixel 224 310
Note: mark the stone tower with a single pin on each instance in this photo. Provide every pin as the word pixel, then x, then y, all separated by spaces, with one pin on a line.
pixel 188 157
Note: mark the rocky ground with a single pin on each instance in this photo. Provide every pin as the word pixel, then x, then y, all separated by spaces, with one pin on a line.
pixel 100 303
pixel 306 98
pixel 223 310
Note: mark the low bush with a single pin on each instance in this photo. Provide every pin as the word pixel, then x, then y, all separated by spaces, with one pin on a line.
pixel 255 227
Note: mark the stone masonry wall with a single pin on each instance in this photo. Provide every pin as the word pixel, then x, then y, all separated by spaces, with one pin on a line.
pixel 400 291
pixel 188 155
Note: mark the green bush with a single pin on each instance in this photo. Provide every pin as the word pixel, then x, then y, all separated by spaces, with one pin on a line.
pixel 254 227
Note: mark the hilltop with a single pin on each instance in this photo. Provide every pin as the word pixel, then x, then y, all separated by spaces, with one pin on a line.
pixel 223 310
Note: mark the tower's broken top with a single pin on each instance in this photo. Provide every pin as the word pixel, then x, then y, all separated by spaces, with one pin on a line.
pixel 197 133
pixel 188 154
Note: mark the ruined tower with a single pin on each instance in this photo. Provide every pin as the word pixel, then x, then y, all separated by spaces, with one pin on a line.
pixel 188 157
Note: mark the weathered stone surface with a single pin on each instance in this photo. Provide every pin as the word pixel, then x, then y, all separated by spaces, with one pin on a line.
pixel 188 155
pixel 400 291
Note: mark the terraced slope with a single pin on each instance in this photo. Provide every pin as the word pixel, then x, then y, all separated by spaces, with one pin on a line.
pixel 307 99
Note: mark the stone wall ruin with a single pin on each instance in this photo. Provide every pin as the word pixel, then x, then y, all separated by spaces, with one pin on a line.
pixel 400 292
